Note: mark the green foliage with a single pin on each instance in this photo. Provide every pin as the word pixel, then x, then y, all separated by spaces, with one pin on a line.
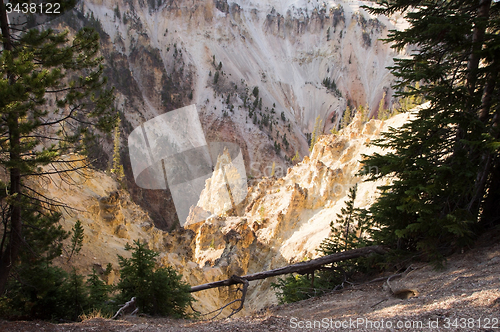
pixel 444 172
pixel 37 289
pixel 216 77
pixel 353 233
pixel 117 13
pixel 277 147
pixel 316 132
pixel 413 212
pixel 157 291
pixel 117 167
pixel 331 86
pixel 383 113
pixel 364 111
pixel 42 291
pixel 410 100
pixel 39 292
pixel 76 292
pixel 98 298
pixel 76 239
pixel 255 92
pixel 292 288
pixel 346 118
pixel 285 142
pixel 53 97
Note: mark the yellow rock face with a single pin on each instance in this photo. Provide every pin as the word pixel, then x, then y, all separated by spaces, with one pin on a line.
pixel 281 221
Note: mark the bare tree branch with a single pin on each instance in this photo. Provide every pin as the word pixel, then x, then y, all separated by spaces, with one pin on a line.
pixel 296 268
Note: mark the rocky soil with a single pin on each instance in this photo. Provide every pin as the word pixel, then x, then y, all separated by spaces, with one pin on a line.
pixel 464 296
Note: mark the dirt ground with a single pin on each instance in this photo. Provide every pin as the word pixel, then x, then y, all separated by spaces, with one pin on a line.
pixel 465 296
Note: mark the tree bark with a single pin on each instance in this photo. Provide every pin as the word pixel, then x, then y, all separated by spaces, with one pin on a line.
pixel 479 30
pixel 297 268
pixel 484 115
pixel 10 254
pixel 4 24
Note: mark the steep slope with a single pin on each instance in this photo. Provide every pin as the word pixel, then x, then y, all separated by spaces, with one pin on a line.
pixel 163 55
pixel 282 220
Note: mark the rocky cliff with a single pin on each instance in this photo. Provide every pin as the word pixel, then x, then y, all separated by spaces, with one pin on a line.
pixel 281 221
pixel 260 72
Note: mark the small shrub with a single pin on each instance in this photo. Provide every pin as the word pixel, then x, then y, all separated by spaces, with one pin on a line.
pixel 157 291
pixel 292 288
pixel 255 92
pixel 99 295
pixel 216 77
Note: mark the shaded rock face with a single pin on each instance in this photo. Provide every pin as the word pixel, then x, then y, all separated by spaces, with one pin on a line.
pixel 163 55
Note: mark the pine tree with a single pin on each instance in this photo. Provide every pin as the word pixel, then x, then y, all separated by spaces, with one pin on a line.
pixel 346 118
pixel 157 291
pixel 364 112
pixel 117 164
pixel 316 132
pixel 445 164
pixel 76 239
pixel 98 294
pixel 348 231
pixel 51 95
pixel 382 111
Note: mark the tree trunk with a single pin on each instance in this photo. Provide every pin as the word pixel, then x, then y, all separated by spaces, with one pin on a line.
pixel 490 216
pixel 483 13
pixel 478 32
pixel 10 254
pixel 301 267
pixel 487 158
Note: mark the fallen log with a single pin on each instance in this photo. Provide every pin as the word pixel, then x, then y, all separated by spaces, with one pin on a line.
pixel 301 267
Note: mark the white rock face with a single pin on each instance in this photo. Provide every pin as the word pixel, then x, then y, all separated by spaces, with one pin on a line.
pixel 285 48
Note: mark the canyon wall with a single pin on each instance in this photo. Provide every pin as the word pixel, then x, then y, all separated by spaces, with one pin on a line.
pixel 281 221
pixel 307 59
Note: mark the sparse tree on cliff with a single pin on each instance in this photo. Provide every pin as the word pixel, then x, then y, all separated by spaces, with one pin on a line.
pixel 117 167
pixel 316 132
pixel 51 98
